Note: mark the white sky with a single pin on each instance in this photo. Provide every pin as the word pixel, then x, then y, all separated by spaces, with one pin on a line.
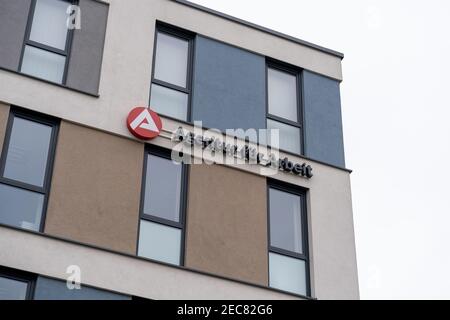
pixel 395 103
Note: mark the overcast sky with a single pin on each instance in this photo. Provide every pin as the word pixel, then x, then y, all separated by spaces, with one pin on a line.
pixel 396 114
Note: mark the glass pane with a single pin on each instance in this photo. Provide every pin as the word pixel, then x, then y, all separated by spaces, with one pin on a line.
pixel 11 289
pixel 28 152
pixel 20 208
pixel 285 221
pixel 159 242
pixel 43 64
pixel 169 102
pixel 162 188
pixel 50 23
pixel 286 273
pixel 289 136
pixel 282 91
pixel 171 59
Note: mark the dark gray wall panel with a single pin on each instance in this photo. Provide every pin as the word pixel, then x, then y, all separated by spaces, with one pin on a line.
pixel 50 289
pixel 323 120
pixel 228 86
pixel 13 22
pixel 87 47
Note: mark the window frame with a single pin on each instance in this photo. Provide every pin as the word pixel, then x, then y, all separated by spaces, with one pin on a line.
pixel 45 189
pixel 21 276
pixel 190 38
pixel 181 224
pixel 28 42
pixel 298 73
pixel 301 192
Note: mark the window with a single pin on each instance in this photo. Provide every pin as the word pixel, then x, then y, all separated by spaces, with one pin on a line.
pixel 161 233
pixel 25 170
pixel 171 78
pixel 288 246
pixel 47 40
pixel 284 107
pixel 15 285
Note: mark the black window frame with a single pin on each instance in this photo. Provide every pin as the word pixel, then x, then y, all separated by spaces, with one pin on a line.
pixel 28 42
pixel 22 276
pixel 298 73
pixel 181 224
pixel 182 34
pixel 16 112
pixel 304 256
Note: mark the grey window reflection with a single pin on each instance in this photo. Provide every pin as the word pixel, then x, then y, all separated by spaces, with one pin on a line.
pixel 169 102
pixel 159 242
pixel 288 274
pixel 11 289
pixel 50 23
pixel 285 221
pixel 28 152
pixel 289 136
pixel 162 188
pixel 20 208
pixel 282 94
pixel 43 64
pixel 171 59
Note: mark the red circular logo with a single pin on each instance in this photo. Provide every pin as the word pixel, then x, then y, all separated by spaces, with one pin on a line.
pixel 144 123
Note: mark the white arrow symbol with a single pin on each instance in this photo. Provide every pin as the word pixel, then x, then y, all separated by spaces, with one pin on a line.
pixel 148 125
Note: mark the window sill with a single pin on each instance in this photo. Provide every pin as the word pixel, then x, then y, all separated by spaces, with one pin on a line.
pixel 50 82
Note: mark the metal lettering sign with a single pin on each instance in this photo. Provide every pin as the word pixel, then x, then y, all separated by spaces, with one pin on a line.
pixel 248 153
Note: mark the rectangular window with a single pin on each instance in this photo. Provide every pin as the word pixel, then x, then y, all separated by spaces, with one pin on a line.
pixel 171 76
pixel 25 169
pixel 15 285
pixel 288 245
pixel 161 232
pixel 47 40
pixel 284 107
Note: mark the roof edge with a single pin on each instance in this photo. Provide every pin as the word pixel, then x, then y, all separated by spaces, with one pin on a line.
pixel 260 28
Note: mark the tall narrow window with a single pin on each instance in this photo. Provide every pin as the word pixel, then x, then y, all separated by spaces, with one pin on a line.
pixel 171 78
pixel 284 107
pixel 25 169
pixel 161 234
pixel 47 40
pixel 288 250
pixel 15 285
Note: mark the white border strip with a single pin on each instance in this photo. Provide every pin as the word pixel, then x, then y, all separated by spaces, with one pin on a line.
pixel 120 273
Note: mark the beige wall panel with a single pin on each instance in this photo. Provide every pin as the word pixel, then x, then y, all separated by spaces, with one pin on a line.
pixel 331 232
pixel 96 187
pixel 4 113
pixel 227 223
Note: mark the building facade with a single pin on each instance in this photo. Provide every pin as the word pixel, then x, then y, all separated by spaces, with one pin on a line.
pixel 83 199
